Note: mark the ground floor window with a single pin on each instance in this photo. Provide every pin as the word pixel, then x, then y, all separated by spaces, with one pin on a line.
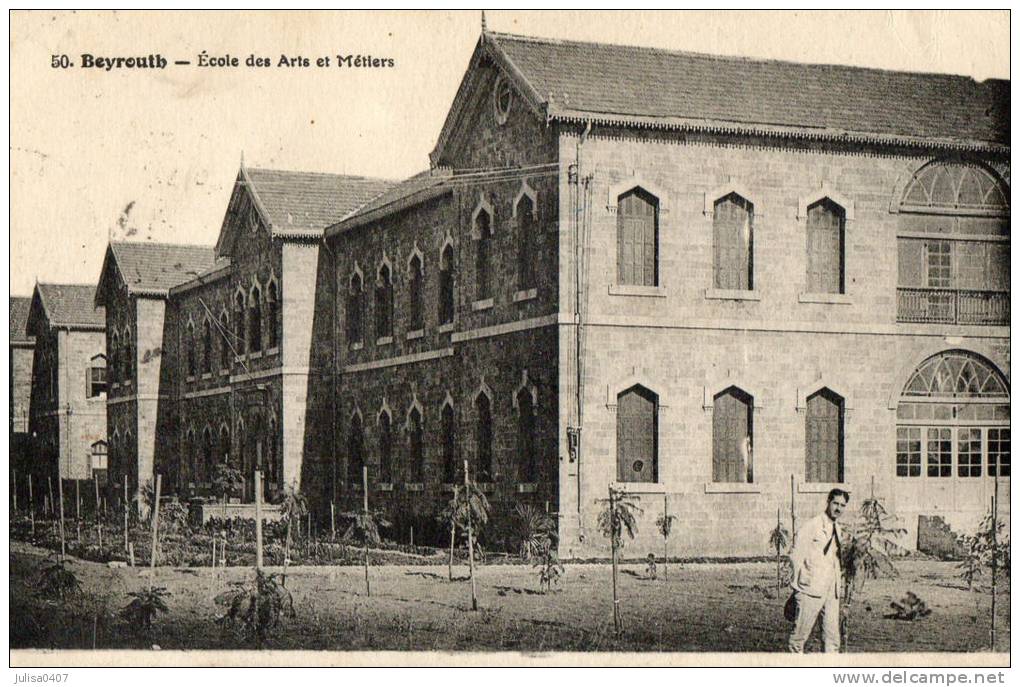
pixel 964 452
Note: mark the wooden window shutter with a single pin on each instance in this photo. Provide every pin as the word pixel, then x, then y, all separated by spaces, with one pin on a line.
pixel 636 436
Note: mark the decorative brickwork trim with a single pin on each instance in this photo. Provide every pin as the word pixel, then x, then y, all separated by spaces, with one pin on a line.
pixel 399 360
pixel 507 328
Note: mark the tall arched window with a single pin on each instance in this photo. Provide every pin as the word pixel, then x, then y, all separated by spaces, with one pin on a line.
pixel 95 383
pixel 527 236
pixel 483 256
pixel 384 303
pixel 733 436
pixel 208 459
pixel 355 451
pixel 483 439
pixel 193 458
pixel 446 286
pixel 637 449
pixel 190 343
pixel 224 345
pixel 449 446
pixel 272 315
pixel 953 245
pixel 239 322
pixel 733 243
pixel 385 448
pixel 416 295
pixel 527 459
pixel 823 430
pixel 255 321
pixel 114 353
pixel 954 410
pixel 826 247
pixel 637 238
pixel 129 357
pixel 416 446
pixel 273 471
pixel 224 456
pixel 355 310
pixel 207 353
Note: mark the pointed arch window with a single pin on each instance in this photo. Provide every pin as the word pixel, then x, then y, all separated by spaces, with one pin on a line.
pixel 207 349
pixel 446 286
pixel 823 429
pixel 483 439
pixel 733 436
pixel 224 345
pixel 255 321
pixel 96 381
pixel 224 455
pixel 208 459
pixel 637 450
pixel 272 315
pixel 637 238
pixel 385 448
pixel 239 321
pixel 416 295
pixel 114 353
pixel 384 303
pixel 274 474
pixel 483 256
pixel 99 456
pixel 826 247
pixel 190 344
pixel 733 243
pixel 416 446
pixel 450 463
pixel 527 236
pixel 527 458
pixel 355 311
pixel 129 358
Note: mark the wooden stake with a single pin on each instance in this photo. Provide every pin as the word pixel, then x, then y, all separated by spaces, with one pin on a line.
pixel 14 488
pixel 471 547
pixel 63 544
pixel 453 528
pixel 617 625
pixel 665 539
pixel 95 482
pixel 793 512
pixel 364 488
pixel 77 509
pixel 995 558
pixel 412 536
pixel 212 559
pixel 332 519
pixel 155 522
pixel 31 505
pixel 258 520
pixel 126 514
pixel 131 553
pixel 49 481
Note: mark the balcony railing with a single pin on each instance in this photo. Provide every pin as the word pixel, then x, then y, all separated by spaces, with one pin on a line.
pixel 952 306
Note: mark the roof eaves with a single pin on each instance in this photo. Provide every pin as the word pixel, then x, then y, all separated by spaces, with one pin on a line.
pixel 200 280
pixel 356 219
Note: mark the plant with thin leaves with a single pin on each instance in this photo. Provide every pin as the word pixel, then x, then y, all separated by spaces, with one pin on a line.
pixel 467 499
pixel 255 606
pixel 364 526
pixel 977 550
pixel 550 570
pixel 664 523
pixel 227 481
pixel 867 554
pixel 144 606
pixel 535 528
pixel 56 581
pixel 619 516
pixel 779 541
pixel 293 507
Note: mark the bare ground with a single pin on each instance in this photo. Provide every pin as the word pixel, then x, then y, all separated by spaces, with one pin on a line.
pixel 701 607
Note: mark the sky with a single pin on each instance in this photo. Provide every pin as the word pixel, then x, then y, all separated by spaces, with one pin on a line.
pixel 149 154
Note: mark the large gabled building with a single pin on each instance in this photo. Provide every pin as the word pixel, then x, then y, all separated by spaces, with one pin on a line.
pixel 22 351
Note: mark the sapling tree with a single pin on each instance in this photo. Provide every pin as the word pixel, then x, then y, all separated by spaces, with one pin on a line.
pixel 56 581
pixel 227 482
pixel 292 508
pixel 664 523
pixel 255 606
pixel 144 606
pixel 537 544
pixel 779 541
pixel 468 502
pixel 618 517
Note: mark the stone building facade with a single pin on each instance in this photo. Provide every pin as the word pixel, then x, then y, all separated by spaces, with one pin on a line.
pixel 21 348
pixel 67 418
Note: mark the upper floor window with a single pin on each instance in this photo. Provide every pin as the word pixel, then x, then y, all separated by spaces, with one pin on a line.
pixel 733 436
pixel 272 315
pixel 483 256
pixel 128 358
pixel 384 303
pixel 207 352
pixel 417 294
pixel 449 445
pixel 99 455
pixel 637 449
pixel 190 344
pixel 826 247
pixel 255 321
pixel 483 438
pixel 239 320
pixel 96 382
pixel 733 243
pixel 527 238
pixel 446 286
pixel 224 342
pixel 224 445
pixel 823 430
pixel 637 238
pixel 416 446
pixel 385 448
pixel 114 353
pixel 956 185
pixel 355 310
pixel 527 458
pixel 355 451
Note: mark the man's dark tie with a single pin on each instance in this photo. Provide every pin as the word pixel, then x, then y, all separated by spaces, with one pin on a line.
pixel 833 538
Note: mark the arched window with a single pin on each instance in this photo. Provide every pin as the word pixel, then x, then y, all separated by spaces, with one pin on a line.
pixel 208 459
pixel 449 446
pixel 272 315
pixel 733 243
pixel 733 436
pixel 224 345
pixel 255 321
pixel 190 343
pixel 483 439
pixel 224 455
pixel 954 409
pixel 384 303
pixel 637 238
pixel 823 430
pixel 483 256
pixel 355 451
pixel 385 448
pixel 417 288
pixel 273 472
pixel 129 358
pixel 826 244
pixel 239 320
pixel 953 247
pixel 355 310
pixel 207 353
pixel 527 236
pixel 192 453
pixel 637 449
pixel 527 459
pixel 416 446
pixel 95 383
pixel 114 352
pixel 99 456
pixel 446 286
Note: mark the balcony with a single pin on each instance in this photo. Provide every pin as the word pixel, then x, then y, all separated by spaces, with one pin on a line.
pixel 952 306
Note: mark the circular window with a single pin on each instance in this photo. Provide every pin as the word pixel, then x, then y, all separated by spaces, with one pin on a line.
pixel 502 99
pixel 638 465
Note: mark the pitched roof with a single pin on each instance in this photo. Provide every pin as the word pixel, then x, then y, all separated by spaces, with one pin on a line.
pixel 649 87
pixel 305 203
pixel 402 195
pixel 19 319
pixel 153 268
pixel 71 305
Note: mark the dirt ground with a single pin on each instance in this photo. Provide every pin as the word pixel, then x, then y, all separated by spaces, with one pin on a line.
pixel 701 607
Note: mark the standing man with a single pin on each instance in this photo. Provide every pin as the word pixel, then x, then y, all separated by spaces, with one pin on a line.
pixel 817 574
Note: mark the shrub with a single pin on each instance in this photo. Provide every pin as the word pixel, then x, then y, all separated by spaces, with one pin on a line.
pixel 145 606
pixel 254 607
pixel 57 582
